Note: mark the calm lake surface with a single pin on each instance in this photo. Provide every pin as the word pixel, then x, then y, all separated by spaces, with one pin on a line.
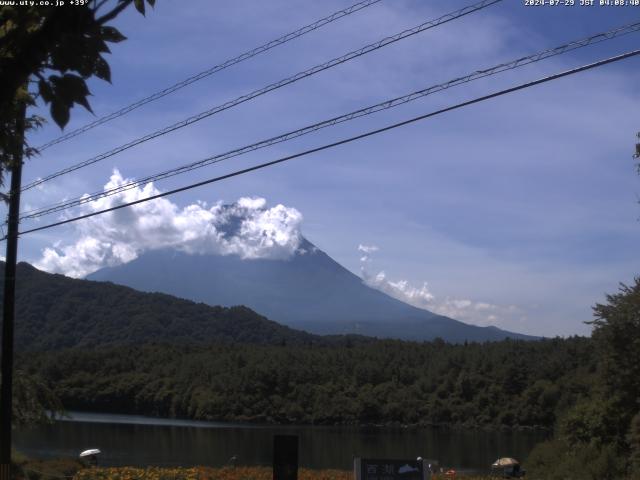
pixel 143 441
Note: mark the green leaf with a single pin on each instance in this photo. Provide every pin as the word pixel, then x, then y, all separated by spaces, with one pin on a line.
pixel 111 34
pixel 74 84
pixel 85 66
pixel 45 91
pixel 102 47
pixel 63 57
pixel 102 70
pixel 70 89
pixel 139 4
pixel 85 103
pixel 152 2
pixel 60 113
pixel 76 90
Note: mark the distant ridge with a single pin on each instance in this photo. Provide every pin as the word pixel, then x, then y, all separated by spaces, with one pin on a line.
pixel 55 312
pixel 309 291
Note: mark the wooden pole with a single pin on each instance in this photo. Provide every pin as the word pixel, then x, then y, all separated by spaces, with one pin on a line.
pixel 8 312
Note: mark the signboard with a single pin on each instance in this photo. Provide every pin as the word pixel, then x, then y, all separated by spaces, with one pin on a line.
pixel 390 469
pixel 285 457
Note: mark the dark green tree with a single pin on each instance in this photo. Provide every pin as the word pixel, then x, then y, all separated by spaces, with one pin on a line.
pixel 634 444
pixel 33 400
pixel 47 53
pixel 617 335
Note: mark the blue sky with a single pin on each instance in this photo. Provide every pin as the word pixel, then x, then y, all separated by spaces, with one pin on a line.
pixel 519 212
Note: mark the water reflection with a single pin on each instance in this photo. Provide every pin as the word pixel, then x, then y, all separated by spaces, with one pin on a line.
pixel 142 441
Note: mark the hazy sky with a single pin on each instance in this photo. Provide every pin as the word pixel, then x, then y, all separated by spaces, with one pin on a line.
pixel 519 212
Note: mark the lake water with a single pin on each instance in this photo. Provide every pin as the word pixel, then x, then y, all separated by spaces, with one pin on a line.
pixel 142 441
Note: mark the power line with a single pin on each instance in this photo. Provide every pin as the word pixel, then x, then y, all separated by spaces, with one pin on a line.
pixel 217 68
pixel 344 141
pixel 600 37
pixel 274 86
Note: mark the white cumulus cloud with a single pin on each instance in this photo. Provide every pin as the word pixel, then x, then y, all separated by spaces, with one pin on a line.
pixel 402 290
pixel 367 250
pixel 469 311
pixel 246 228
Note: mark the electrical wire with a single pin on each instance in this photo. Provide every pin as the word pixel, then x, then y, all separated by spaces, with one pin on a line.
pixel 274 86
pixel 217 68
pixel 342 142
pixel 522 61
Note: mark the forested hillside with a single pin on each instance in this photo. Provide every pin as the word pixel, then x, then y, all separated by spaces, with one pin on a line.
pixel 309 291
pixel 154 354
pixel 599 436
pixel 509 383
pixel 54 312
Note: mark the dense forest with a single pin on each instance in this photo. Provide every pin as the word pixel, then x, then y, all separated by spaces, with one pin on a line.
pixel 585 390
pixel 56 312
pixel 599 436
pixel 109 348
pixel 502 384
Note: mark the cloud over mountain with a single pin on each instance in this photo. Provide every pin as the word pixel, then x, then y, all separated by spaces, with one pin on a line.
pixel 246 228
pixel 469 311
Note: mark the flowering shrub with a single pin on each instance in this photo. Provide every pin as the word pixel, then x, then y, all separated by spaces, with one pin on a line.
pixel 203 473
pixel 225 473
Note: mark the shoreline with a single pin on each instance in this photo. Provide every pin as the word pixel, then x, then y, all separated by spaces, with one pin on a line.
pixel 140 419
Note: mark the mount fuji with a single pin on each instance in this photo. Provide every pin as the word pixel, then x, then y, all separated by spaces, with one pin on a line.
pixel 308 291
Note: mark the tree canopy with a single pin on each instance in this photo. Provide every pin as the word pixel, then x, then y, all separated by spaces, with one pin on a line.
pixel 47 53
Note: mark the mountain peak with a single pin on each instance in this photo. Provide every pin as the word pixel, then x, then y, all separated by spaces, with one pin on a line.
pixel 308 291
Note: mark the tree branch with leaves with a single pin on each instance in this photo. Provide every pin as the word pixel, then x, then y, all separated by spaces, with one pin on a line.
pixel 48 53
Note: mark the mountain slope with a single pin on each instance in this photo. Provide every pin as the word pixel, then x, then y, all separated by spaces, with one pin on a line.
pixel 54 312
pixel 309 291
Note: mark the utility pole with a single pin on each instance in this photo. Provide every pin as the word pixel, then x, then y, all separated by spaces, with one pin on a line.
pixel 8 313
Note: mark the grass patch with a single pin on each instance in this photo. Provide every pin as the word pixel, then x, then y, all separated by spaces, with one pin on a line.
pixel 28 469
pixel 225 473
pixel 67 469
